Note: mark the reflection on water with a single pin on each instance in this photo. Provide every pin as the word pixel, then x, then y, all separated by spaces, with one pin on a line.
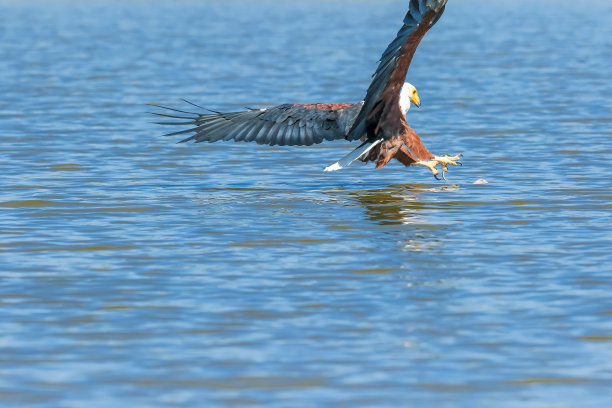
pixel 393 205
pixel 397 204
pixel 140 272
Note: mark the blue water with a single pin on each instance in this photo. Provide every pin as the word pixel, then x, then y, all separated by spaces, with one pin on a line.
pixel 138 271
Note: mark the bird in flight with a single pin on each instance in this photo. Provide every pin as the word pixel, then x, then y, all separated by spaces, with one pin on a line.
pixel 379 121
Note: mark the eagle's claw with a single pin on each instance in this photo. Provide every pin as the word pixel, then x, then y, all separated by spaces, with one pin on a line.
pixel 443 161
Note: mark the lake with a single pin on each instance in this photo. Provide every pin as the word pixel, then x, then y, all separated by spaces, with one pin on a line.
pixel 138 271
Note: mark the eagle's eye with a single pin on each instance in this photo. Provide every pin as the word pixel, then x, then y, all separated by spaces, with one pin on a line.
pixel 414 92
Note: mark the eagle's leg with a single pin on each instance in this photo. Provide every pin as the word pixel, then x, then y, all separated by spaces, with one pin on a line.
pixel 404 156
pixel 412 153
pixel 426 158
pixel 415 145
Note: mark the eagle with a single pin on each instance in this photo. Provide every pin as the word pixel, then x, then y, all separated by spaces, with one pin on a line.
pixel 379 121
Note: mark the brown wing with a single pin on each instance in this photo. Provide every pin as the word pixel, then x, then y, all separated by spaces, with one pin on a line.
pixel 287 124
pixel 381 116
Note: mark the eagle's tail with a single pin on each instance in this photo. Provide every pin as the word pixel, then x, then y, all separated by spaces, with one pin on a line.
pixel 356 154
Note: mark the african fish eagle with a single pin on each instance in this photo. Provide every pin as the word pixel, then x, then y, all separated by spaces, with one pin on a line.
pixel 379 121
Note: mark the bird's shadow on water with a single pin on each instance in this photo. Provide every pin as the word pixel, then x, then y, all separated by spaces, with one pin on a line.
pixel 398 204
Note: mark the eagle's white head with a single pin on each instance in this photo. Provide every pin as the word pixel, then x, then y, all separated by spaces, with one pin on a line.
pixel 409 95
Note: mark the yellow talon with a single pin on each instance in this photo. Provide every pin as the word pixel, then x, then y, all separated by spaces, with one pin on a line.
pixel 446 160
pixel 443 161
pixel 430 164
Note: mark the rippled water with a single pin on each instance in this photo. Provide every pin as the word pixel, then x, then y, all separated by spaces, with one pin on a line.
pixel 137 271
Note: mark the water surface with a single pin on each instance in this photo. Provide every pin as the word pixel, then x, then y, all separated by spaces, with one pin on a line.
pixel 137 271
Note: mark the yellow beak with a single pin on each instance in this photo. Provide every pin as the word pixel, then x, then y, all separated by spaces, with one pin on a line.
pixel 416 100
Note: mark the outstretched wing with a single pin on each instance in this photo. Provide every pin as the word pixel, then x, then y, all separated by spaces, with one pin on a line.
pixel 381 116
pixel 287 124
